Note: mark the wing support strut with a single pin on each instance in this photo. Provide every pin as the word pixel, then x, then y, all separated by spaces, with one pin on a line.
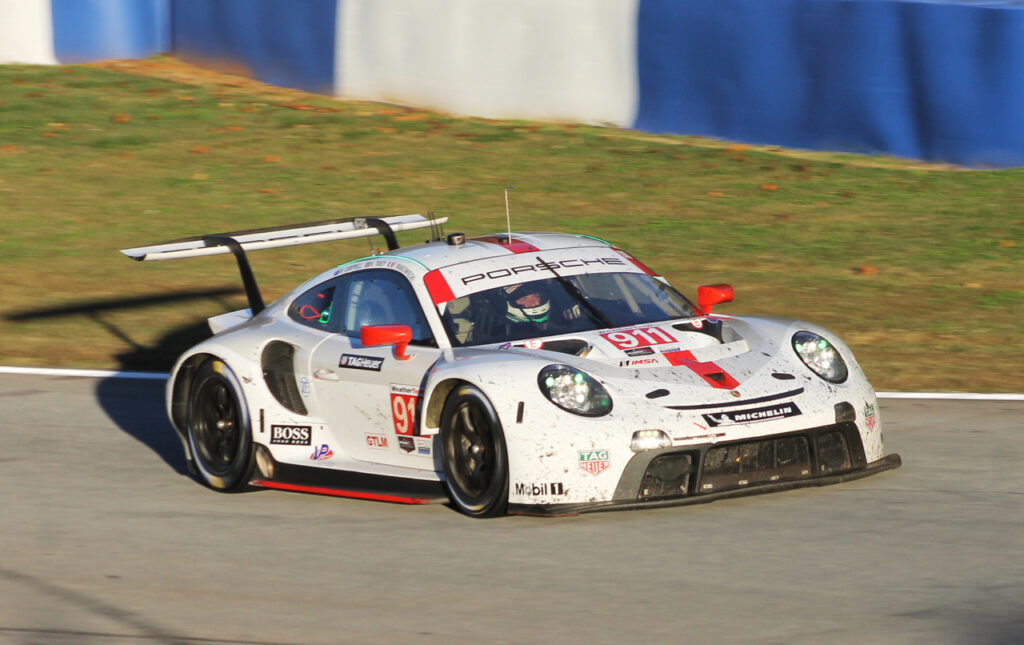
pixel 252 290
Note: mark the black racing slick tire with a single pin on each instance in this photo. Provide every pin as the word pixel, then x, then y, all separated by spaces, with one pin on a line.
pixel 219 432
pixel 474 454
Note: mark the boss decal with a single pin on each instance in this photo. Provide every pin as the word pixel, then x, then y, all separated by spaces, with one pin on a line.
pixel 357 362
pixel 540 490
pixel 594 462
pixel 753 415
pixel 404 403
pixel 291 435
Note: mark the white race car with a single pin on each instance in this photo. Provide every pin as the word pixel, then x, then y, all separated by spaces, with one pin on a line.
pixel 527 373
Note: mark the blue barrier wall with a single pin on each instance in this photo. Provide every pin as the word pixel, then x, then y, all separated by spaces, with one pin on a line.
pixel 936 81
pixel 290 44
pixel 88 30
pixel 939 80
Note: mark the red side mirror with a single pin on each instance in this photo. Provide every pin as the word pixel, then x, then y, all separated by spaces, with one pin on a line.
pixel 397 335
pixel 709 295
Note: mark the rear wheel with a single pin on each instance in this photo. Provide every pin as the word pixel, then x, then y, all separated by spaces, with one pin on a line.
pixel 218 428
pixel 474 454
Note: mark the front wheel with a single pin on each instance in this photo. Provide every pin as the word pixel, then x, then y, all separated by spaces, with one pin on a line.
pixel 218 428
pixel 474 454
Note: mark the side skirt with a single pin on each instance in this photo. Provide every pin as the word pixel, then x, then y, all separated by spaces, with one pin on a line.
pixel 340 483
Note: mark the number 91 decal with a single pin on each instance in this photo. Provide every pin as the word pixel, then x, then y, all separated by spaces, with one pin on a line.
pixel 404 403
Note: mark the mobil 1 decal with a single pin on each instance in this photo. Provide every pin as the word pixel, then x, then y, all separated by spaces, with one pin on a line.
pixel 629 340
pixel 753 415
pixel 404 403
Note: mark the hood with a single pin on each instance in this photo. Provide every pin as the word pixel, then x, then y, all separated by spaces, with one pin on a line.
pixel 717 358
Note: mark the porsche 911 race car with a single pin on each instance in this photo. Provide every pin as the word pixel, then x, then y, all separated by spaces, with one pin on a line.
pixel 527 373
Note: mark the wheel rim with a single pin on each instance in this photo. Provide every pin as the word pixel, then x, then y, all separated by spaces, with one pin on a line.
pixel 216 426
pixel 471 448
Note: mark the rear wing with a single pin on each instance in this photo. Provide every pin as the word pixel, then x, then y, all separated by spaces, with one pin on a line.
pixel 238 242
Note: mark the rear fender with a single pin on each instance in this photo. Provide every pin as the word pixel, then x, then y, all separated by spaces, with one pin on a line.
pixel 227 321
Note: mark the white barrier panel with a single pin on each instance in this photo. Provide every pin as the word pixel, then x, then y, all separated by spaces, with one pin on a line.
pixel 26 32
pixel 569 60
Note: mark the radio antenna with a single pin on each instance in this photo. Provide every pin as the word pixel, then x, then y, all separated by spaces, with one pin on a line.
pixel 508 214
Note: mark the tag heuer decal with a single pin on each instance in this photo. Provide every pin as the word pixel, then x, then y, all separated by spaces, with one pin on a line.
pixel 357 362
pixel 594 462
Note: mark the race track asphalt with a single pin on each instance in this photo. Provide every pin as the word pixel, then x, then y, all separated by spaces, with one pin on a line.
pixel 106 539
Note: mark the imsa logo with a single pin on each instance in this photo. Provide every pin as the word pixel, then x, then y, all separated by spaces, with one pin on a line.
pixel 291 435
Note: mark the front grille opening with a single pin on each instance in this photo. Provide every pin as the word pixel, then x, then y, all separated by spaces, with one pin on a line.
pixel 756 462
pixel 667 476
pixel 833 453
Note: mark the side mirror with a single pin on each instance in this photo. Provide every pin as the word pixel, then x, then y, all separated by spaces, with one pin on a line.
pixel 709 295
pixel 397 335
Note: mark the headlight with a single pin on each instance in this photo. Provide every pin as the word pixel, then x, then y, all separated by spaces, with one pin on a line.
pixel 649 440
pixel 574 391
pixel 820 356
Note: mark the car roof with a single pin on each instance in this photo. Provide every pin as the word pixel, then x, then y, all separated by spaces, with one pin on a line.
pixel 435 255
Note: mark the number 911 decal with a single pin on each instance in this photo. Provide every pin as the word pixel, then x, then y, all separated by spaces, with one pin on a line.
pixel 645 337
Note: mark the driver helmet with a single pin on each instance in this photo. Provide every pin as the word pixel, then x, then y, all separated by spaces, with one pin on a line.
pixel 527 303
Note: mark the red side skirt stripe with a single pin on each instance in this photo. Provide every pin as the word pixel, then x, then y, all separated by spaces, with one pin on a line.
pixel 377 497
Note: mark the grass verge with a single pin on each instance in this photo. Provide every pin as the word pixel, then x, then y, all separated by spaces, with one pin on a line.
pixel 918 267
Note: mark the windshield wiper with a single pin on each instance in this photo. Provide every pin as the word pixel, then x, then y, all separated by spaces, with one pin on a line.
pixel 577 295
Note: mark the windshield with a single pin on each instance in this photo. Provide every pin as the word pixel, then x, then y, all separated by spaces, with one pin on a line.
pixel 566 305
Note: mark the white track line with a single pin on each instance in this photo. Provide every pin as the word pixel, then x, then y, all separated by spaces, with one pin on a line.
pixel 154 376
pixel 950 396
pixel 49 371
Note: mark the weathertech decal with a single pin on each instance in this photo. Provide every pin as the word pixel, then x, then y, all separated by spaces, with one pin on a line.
pixel 356 362
pixel 753 415
pixel 291 435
